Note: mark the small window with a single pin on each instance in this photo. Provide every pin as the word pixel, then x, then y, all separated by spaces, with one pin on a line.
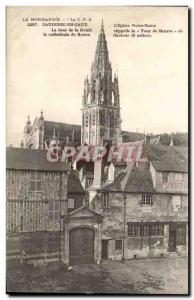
pixel 146 199
pixel 105 199
pixel 156 230
pixel 145 230
pixel 118 244
pixel 133 230
pixel 160 231
pixel 153 230
pixel 165 176
pixel 54 210
pixel 35 183
pixel 70 203
pixel 176 203
pixel 181 235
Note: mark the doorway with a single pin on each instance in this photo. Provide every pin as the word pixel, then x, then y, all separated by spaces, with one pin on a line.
pixel 81 246
pixel 104 249
pixel 172 238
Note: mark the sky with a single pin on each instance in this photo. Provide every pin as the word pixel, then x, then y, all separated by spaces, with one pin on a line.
pixel 48 72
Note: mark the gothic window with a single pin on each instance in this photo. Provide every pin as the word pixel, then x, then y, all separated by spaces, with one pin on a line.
pixel 35 182
pixel 93 119
pixel 112 119
pixel 101 96
pixel 102 117
pixel 86 120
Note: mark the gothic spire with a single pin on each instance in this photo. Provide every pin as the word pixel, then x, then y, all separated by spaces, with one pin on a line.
pixel 101 60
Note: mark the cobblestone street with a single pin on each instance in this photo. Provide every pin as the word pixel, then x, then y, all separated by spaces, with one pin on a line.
pixel 149 276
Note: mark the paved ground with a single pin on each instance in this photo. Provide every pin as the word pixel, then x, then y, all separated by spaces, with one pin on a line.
pixel 149 276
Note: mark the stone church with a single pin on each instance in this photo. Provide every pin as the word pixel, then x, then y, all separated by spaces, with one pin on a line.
pixel 101 120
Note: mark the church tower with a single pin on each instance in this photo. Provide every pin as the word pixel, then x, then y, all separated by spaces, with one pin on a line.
pixel 100 102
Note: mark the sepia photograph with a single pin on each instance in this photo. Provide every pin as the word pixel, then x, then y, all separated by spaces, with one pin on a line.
pixel 97 166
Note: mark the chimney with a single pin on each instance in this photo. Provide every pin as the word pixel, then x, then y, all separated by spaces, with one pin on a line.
pixel 111 173
pixel 97 173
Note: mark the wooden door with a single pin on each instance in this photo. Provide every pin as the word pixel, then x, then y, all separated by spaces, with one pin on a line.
pixel 172 238
pixel 104 249
pixel 81 246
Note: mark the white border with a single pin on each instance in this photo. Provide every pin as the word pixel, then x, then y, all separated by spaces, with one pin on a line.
pixel 3 4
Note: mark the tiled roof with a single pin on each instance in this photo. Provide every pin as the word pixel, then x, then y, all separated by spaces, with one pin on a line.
pixel 168 158
pixel 63 130
pixel 135 180
pixel 31 159
pixel 139 180
pixel 116 185
pixel 73 184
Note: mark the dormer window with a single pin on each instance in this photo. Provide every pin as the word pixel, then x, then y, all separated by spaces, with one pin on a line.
pixel 105 199
pixel 146 199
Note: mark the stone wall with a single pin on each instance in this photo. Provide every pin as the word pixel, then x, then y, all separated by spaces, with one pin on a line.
pixel 122 211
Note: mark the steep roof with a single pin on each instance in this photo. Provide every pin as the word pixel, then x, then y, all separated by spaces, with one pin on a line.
pixel 62 130
pixel 101 59
pixel 139 180
pixel 135 180
pixel 168 158
pixel 73 184
pixel 31 159
pixel 116 185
